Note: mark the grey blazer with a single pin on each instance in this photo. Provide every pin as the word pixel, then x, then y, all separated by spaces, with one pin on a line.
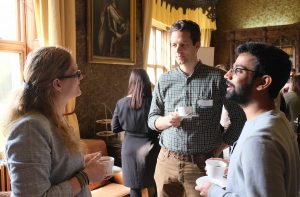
pixel 39 163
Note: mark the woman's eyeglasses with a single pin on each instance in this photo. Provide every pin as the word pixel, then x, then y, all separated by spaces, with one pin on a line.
pixel 76 75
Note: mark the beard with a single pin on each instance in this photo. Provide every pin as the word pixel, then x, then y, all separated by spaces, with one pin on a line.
pixel 241 95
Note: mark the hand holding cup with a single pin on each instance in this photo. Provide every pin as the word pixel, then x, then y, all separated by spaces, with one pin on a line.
pixel 94 169
pixel 185 111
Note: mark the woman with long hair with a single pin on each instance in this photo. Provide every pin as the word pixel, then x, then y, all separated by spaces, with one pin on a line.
pixel 140 147
pixel 43 154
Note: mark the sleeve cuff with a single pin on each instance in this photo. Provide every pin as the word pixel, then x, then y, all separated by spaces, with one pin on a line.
pixel 216 190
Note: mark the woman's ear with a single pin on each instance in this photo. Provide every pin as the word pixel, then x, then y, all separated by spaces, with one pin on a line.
pixel 57 85
pixel 264 82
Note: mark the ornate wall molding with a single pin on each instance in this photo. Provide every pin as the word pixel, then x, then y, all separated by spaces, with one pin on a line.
pixel 207 6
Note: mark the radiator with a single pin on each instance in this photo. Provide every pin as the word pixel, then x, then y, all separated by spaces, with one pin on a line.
pixel 4 178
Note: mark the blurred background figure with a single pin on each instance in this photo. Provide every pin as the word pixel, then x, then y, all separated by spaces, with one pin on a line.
pixel 223 67
pixel 293 72
pixel 280 102
pixel 292 99
pixel 225 120
pixel 288 84
pixel 140 147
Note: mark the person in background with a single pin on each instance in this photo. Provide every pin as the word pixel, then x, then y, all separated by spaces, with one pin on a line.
pixel 279 100
pixel 265 161
pixel 293 72
pixel 188 141
pixel 225 121
pixel 223 67
pixel 140 146
pixel 288 84
pixel 292 100
pixel 43 154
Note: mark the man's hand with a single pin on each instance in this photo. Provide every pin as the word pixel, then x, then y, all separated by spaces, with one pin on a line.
pixel 174 119
pixel 171 120
pixel 203 189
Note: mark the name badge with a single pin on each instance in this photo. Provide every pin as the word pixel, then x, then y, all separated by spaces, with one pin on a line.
pixel 205 103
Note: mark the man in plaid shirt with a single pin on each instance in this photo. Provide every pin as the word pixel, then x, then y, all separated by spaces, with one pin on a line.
pixel 188 141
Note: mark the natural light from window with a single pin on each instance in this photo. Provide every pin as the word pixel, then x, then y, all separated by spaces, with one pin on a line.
pixel 8 20
pixel 12 47
pixel 10 75
pixel 159 55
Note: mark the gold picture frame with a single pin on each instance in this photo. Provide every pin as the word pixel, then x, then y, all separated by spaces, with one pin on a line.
pixel 111 33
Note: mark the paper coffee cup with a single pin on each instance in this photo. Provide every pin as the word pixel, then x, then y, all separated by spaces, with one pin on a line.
pixel 215 168
pixel 184 111
pixel 108 163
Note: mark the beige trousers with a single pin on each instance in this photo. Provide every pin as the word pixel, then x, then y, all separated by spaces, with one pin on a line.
pixel 175 178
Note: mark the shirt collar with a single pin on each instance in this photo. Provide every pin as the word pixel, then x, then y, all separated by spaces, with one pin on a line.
pixel 196 70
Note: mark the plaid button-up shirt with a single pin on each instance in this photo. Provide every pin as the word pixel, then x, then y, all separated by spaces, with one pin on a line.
pixel 205 91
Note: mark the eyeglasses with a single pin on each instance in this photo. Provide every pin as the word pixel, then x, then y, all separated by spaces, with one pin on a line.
pixel 76 75
pixel 240 70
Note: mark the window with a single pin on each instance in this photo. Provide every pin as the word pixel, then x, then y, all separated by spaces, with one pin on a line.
pixel 16 27
pixel 159 55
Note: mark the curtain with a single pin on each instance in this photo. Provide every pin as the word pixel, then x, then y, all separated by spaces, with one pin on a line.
pixel 167 16
pixel 55 23
pixel 205 37
pixel 147 10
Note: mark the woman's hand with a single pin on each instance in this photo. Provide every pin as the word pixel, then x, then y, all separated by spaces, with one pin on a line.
pixel 88 157
pixel 93 168
pixel 203 189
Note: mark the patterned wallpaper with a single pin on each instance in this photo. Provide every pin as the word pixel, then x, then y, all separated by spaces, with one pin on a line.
pixel 239 14
pixel 102 83
pixel 108 83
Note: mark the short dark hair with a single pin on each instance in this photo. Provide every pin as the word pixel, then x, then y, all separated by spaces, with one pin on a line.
pixel 271 61
pixel 189 26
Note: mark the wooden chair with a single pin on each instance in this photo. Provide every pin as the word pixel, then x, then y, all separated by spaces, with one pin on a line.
pixel 113 188
pixel 4 181
pixel 4 178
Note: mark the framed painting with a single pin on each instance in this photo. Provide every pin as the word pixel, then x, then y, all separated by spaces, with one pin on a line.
pixel 111 31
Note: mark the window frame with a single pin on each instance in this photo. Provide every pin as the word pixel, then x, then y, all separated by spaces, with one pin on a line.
pixel 166 64
pixel 26 35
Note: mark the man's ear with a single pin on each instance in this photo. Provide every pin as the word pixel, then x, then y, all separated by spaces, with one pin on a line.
pixel 263 82
pixel 197 45
pixel 57 85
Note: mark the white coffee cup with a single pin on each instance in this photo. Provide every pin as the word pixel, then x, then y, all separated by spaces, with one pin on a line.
pixel 108 163
pixel 184 111
pixel 215 168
